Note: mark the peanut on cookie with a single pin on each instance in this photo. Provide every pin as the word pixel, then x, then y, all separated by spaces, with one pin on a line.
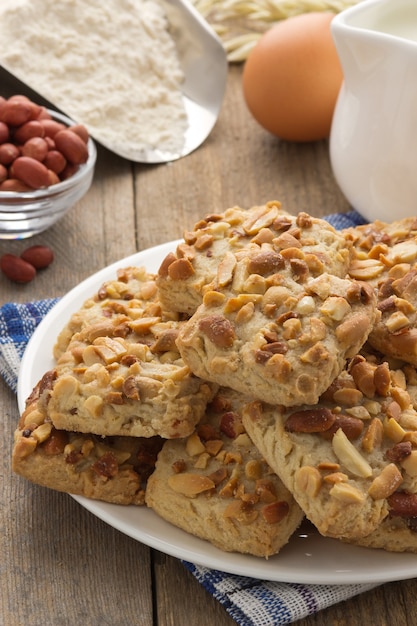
pixel 350 461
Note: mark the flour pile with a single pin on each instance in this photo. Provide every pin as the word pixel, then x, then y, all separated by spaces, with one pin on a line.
pixel 111 65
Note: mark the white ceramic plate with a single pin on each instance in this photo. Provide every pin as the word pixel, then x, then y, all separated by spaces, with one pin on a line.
pixel 308 558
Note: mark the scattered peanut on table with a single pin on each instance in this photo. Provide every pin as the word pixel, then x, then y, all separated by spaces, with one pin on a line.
pixel 23 268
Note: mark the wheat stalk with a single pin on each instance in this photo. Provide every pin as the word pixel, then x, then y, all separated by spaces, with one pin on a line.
pixel 240 23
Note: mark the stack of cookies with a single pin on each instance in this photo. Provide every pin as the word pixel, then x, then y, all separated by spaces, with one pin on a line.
pixel 265 375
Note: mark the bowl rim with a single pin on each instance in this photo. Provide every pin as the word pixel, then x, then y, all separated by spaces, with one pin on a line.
pixel 64 185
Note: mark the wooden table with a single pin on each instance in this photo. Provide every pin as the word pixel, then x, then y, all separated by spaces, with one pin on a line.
pixel 59 564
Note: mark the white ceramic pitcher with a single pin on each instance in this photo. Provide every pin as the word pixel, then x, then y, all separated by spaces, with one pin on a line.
pixel 373 140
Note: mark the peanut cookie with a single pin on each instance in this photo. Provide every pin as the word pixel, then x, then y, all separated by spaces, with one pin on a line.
pixel 214 484
pixel 110 469
pixel 275 332
pixel 132 293
pixel 127 378
pixel 396 533
pixel 350 461
pixel 386 257
pixel 208 250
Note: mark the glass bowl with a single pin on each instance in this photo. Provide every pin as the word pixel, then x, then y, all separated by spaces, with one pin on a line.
pixel 27 213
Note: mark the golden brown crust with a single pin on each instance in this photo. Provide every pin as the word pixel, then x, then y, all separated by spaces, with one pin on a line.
pixel 271 342
pixel 216 485
pixel 350 459
pixel 109 469
pixel 385 255
pixel 120 372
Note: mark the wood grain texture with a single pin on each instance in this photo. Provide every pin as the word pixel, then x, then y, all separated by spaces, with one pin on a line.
pixel 59 564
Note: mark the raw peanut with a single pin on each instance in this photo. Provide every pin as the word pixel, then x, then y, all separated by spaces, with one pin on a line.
pixel 38 256
pixel 52 127
pixel 19 96
pixel 4 133
pixel 50 142
pixel 15 112
pixel 69 170
pixel 8 153
pixel 55 161
pixel 3 173
pixel 13 184
pixel 17 269
pixel 43 114
pixel 81 131
pixel 27 133
pixel 36 148
pixel 35 108
pixel 53 178
pixel 31 172
pixel 72 146
pixel 33 128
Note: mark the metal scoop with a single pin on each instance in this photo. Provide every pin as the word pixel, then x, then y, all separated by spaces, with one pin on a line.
pixel 204 64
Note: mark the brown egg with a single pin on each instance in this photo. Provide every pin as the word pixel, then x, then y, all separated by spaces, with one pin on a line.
pixel 292 77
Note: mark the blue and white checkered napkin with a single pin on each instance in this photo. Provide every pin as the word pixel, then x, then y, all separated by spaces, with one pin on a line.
pixel 249 601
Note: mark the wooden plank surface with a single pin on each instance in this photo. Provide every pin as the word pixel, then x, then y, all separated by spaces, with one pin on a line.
pixel 59 564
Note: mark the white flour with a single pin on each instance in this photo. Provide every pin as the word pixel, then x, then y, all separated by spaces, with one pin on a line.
pixel 110 64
